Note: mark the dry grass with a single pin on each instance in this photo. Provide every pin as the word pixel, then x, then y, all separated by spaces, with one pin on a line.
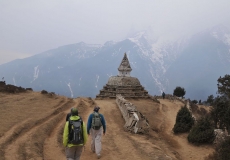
pixel 30 120
pixel 22 112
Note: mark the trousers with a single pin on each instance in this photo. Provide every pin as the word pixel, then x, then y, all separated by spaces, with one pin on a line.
pixel 74 152
pixel 96 140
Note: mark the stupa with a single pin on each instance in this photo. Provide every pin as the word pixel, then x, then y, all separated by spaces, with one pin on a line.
pixel 123 84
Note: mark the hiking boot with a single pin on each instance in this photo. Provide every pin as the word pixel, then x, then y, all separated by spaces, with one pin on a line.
pixel 98 156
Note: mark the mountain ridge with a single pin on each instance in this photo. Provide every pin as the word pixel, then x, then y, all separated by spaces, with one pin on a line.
pixel 83 69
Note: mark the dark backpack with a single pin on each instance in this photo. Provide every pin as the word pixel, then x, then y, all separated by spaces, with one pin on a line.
pixel 76 131
pixel 96 121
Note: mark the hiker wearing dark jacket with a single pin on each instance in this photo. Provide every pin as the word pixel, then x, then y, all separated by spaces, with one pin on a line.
pixel 73 151
pixel 96 133
pixel 163 95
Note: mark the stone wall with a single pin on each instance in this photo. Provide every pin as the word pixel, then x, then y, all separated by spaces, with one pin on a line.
pixel 135 121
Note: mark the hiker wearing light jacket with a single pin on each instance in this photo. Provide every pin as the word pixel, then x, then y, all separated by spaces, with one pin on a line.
pixel 96 125
pixel 74 147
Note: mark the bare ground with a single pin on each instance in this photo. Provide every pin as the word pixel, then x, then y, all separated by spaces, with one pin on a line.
pixel 32 126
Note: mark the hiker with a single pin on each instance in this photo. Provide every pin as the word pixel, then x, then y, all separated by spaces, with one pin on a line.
pixel 163 95
pixel 95 126
pixel 74 136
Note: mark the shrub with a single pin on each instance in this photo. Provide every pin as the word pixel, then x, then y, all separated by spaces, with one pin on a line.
pixel 202 132
pixel 194 101
pixel 222 152
pixel 184 121
pixel 44 92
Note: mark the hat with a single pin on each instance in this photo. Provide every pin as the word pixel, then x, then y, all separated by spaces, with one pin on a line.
pixel 96 108
pixel 74 111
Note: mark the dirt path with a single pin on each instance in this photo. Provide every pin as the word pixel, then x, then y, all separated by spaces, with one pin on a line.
pixel 115 144
pixel 52 148
pixel 185 149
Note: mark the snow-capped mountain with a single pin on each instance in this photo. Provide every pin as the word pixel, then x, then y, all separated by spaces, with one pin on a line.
pixel 205 58
pixel 81 69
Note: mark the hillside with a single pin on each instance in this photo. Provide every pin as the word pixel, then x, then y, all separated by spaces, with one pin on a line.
pixel 32 125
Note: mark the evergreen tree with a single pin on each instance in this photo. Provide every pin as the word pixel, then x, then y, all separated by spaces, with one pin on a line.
pixel 179 92
pixel 220 108
pixel 202 131
pixel 227 119
pixel 224 85
pixel 210 99
pixel 184 121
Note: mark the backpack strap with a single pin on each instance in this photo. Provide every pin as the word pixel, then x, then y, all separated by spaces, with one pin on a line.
pixel 94 116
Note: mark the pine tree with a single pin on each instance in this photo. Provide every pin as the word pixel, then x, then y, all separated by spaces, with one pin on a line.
pixel 224 85
pixel 210 99
pixel 202 131
pixel 219 109
pixel 179 92
pixel 184 121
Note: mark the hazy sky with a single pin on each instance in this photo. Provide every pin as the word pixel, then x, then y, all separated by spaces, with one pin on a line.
pixel 29 27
